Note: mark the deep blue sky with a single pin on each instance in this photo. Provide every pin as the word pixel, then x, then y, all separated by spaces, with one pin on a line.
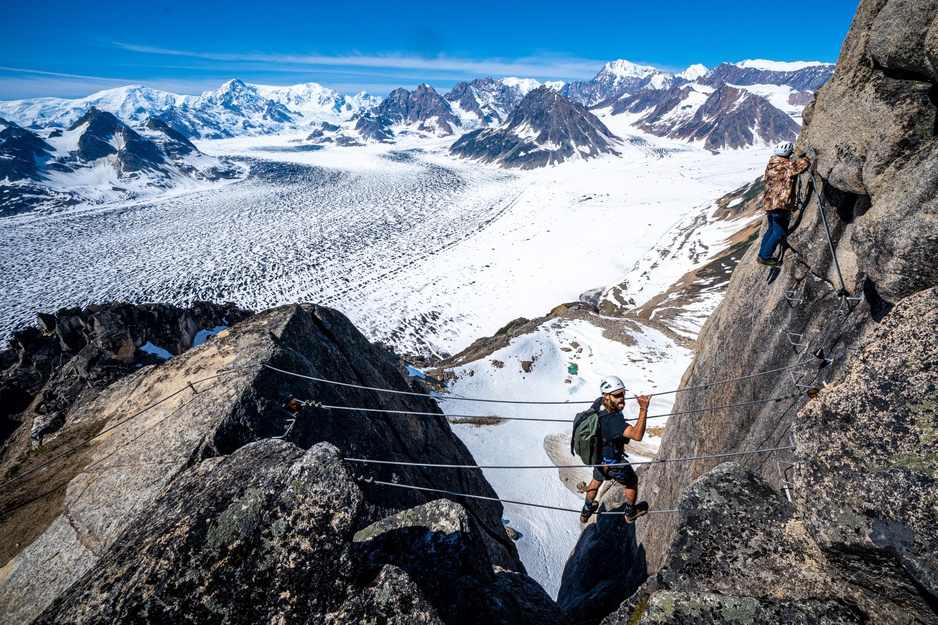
pixel 69 49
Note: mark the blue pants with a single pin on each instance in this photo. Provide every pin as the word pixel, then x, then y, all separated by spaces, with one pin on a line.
pixel 776 233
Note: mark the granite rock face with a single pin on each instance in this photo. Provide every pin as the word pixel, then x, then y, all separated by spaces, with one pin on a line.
pixel 871 137
pixel 850 316
pixel 867 478
pixel 872 133
pixel 74 353
pixel 267 535
pixel 156 430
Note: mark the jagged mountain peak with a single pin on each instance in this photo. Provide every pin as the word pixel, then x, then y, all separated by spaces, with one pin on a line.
pixel 484 101
pixel 622 68
pixel 546 128
pixel 693 72
pixel 98 121
pixel 523 85
pixel 616 79
pixel 719 118
pixel 423 108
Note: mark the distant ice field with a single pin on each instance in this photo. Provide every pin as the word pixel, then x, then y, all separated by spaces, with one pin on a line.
pixel 420 250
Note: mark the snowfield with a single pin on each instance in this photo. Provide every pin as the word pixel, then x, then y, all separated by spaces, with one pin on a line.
pixel 420 250
pixel 427 253
pixel 651 365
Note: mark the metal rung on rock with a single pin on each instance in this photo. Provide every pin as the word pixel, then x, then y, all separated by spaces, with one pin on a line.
pixel 795 381
pixel 792 299
pixel 795 339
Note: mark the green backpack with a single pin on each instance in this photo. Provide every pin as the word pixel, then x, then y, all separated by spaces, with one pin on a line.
pixel 587 442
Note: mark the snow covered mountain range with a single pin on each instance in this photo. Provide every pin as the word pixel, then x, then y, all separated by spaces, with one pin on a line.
pixel 99 158
pixel 732 106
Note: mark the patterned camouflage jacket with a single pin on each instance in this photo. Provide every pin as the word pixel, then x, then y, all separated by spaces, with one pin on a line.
pixel 780 175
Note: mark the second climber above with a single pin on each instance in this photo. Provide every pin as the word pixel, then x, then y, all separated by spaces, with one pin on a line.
pixel 780 176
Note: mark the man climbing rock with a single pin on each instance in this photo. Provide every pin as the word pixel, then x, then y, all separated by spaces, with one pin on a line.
pixel 615 436
pixel 780 176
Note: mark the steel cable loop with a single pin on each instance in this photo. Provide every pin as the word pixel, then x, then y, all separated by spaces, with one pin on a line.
pixel 562 466
pixel 532 403
pixel 486 498
pixel 315 404
pixel 189 386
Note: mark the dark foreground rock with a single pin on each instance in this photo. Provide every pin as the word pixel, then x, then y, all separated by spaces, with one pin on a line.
pixel 267 534
pixel 186 444
pixel 606 566
pixel 740 556
pixel 76 352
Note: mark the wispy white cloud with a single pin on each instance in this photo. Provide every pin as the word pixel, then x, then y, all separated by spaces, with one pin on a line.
pixel 560 67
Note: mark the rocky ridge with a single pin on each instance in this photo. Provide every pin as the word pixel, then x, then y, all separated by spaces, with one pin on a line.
pixel 809 78
pixel 719 119
pixel 47 171
pixel 186 488
pixel 862 471
pixel 544 129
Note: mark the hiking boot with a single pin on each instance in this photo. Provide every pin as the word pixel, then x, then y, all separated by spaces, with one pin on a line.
pixel 588 509
pixel 639 509
pixel 768 262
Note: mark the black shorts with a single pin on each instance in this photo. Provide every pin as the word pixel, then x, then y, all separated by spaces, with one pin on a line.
pixel 623 473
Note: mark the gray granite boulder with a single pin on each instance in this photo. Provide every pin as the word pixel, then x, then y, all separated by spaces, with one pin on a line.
pixel 740 556
pixel 867 478
pixel 208 402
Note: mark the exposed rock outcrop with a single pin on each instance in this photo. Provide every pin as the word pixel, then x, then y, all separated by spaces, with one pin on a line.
pixel 739 550
pixel 75 353
pixel 867 475
pixel 267 534
pixel 159 438
pixel 864 465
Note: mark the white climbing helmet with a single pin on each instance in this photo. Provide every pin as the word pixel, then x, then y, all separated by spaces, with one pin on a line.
pixel 785 148
pixel 610 384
